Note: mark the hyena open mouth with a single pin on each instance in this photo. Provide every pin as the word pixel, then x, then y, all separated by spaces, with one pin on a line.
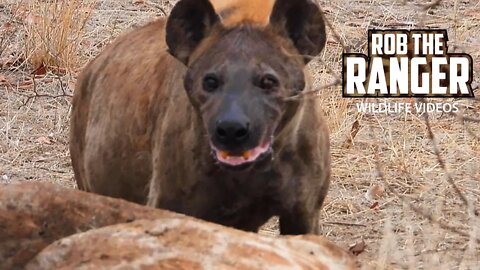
pixel 250 156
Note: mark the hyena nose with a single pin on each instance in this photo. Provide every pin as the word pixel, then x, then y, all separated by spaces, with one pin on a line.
pixel 232 132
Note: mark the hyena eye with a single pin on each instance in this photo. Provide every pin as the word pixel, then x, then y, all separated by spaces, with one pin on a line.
pixel 210 83
pixel 269 82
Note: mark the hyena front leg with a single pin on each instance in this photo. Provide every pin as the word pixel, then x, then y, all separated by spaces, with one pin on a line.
pixel 300 220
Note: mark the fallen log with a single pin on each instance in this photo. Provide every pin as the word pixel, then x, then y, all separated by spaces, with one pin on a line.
pixel 80 226
pixel 33 215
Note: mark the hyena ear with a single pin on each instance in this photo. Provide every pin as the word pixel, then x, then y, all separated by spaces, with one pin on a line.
pixel 302 21
pixel 188 23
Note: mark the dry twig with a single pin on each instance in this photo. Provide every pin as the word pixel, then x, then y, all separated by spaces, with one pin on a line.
pixel 420 211
pixel 36 94
pixel 442 163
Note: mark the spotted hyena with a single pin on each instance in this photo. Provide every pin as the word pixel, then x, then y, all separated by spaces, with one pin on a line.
pixel 191 114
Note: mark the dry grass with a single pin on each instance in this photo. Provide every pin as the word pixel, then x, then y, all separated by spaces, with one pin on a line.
pixel 54 31
pixel 418 222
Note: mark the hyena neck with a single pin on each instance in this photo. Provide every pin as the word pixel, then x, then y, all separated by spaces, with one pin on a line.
pixel 201 149
pixel 286 133
pixel 288 129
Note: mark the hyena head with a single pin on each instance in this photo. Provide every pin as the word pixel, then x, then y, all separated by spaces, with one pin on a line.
pixel 239 76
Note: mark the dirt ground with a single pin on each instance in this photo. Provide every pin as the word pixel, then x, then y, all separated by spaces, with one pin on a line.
pixel 405 210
